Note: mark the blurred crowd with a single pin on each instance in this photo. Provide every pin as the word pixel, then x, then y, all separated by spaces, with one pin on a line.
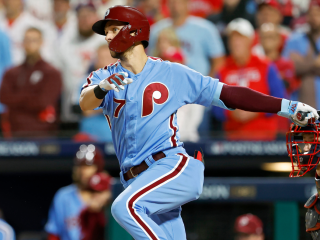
pixel 48 49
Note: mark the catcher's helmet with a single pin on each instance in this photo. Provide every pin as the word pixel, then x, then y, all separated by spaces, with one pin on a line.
pixel 89 155
pixel 136 22
pixel 303 161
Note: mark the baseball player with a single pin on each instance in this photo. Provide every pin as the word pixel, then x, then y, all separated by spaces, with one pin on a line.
pixel 140 96
pixel 75 207
pixel 304 151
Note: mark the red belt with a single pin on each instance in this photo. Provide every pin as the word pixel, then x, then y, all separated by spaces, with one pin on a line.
pixel 136 170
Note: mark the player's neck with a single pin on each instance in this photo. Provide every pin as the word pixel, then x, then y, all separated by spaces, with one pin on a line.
pixel 135 59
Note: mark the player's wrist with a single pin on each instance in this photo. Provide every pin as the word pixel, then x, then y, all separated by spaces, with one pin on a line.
pixel 286 108
pixel 99 92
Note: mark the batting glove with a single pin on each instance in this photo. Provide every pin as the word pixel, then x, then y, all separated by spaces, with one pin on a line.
pixel 115 82
pixel 300 113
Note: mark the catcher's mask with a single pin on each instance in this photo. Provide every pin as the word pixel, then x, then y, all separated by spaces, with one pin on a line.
pixel 303 146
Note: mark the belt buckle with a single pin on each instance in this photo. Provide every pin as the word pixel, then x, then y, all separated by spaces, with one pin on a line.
pixel 132 173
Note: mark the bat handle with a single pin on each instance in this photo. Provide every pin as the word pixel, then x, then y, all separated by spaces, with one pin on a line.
pixel 302 115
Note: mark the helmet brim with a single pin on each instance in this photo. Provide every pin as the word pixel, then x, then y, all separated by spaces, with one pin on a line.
pixel 98 27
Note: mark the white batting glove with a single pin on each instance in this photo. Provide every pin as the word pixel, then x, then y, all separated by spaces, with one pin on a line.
pixel 115 82
pixel 300 113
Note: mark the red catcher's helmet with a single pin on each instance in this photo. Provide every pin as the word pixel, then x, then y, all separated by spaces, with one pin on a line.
pixel 136 22
pixel 89 155
pixel 302 162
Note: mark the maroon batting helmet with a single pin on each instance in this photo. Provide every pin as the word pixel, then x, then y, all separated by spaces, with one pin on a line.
pixel 136 22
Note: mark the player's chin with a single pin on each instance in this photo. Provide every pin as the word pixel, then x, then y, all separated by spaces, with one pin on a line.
pixel 115 54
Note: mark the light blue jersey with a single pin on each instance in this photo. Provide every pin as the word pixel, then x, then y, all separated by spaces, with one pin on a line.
pixel 63 220
pixel 199 38
pixel 6 231
pixel 142 117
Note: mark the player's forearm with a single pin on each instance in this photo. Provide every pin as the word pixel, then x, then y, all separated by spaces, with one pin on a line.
pixel 88 99
pixel 249 100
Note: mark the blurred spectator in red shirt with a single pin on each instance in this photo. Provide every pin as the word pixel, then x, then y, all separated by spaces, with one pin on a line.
pixel 269 11
pixel 248 227
pixel 168 46
pixel 270 39
pixel 31 92
pixel 231 10
pixel 14 21
pixel 155 10
pixel 242 68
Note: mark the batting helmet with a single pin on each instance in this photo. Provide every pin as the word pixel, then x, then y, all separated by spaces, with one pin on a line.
pixel 136 22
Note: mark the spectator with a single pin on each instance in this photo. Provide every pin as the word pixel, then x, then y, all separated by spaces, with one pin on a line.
pixel 75 58
pixel 203 52
pixel 77 210
pixel 269 11
pixel 103 5
pixel 5 58
pixel 168 46
pixel 271 41
pixel 14 21
pixel 248 227
pixel 6 231
pixel 242 68
pixel 154 10
pixel 42 10
pixel 304 50
pixel 231 10
pixel 36 87
pixel 93 125
pixel 64 21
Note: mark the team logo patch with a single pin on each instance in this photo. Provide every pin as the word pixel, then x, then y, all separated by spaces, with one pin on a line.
pixel 107 13
pixel 299 116
pixel 293 108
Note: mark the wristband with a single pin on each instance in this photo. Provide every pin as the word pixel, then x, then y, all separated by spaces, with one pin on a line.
pixel 99 93
pixel 285 108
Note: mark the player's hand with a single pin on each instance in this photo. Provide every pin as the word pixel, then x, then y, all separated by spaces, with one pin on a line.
pixel 302 114
pixel 115 82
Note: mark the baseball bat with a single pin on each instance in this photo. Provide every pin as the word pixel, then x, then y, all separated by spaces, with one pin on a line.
pixel 301 115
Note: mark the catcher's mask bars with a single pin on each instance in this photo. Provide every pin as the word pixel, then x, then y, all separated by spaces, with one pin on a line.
pixel 135 22
pixel 303 146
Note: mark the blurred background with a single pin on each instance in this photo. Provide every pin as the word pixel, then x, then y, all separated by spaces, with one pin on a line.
pixel 47 50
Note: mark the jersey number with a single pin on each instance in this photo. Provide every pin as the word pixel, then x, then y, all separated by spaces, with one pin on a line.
pixel 121 103
pixel 157 93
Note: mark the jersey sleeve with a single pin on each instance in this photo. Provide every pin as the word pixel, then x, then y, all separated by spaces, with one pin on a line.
pixel 92 80
pixel 53 224
pixel 192 87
